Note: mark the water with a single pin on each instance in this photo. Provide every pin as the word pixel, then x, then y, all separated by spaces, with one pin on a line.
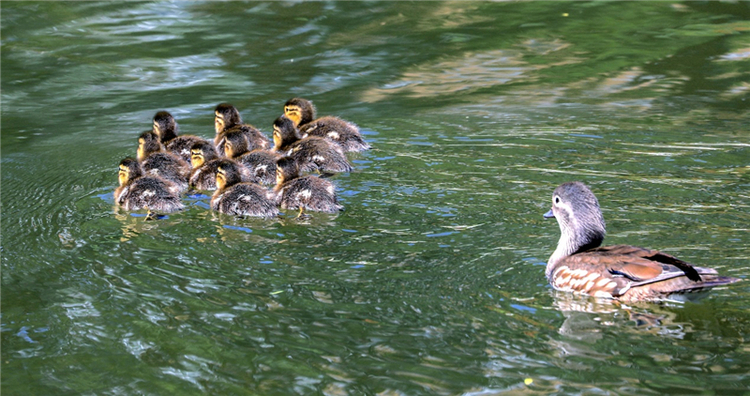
pixel 432 279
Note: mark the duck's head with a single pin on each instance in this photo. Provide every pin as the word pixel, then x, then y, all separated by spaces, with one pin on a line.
pixel 286 169
pixel 227 174
pixel 129 170
pixel 202 152
pixel 284 132
pixel 225 117
pixel 165 126
pixel 235 144
pixel 148 143
pixel 300 111
pixel 577 212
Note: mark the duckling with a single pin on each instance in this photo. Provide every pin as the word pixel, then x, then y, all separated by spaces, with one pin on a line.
pixel 235 197
pixel 166 128
pixel 205 163
pixel 308 192
pixel 140 191
pixel 345 133
pixel 312 152
pixel 227 118
pixel 260 163
pixel 156 161
pixel 622 272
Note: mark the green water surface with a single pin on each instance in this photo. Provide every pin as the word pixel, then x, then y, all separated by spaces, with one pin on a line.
pixel 431 281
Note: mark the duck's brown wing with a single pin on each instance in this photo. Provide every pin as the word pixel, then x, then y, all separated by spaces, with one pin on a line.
pixel 632 273
pixel 640 264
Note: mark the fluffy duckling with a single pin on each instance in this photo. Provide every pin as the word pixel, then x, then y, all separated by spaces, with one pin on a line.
pixel 204 161
pixel 233 197
pixel 166 128
pixel 310 153
pixel 155 161
pixel 345 133
pixel 205 164
pixel 227 118
pixel 308 192
pixel 622 272
pixel 140 191
pixel 261 164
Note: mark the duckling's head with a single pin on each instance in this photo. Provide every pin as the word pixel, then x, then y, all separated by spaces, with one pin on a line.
pixel 299 110
pixel 227 174
pixel 165 126
pixel 202 152
pixel 148 143
pixel 284 132
pixel 129 170
pixel 286 169
pixel 577 212
pixel 225 117
pixel 235 144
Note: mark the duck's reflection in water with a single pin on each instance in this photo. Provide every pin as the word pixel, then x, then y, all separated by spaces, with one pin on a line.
pixel 587 319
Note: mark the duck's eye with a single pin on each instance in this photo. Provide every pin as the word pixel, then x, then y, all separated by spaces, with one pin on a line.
pixel 557 200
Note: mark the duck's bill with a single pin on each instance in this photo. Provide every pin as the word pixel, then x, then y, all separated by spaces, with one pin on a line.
pixel 549 215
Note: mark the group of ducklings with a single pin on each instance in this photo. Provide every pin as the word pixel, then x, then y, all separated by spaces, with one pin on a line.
pixel 239 162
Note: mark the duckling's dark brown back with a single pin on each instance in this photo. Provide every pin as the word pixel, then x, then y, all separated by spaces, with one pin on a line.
pixel 316 153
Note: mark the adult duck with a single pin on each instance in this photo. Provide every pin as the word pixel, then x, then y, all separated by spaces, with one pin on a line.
pixel 622 272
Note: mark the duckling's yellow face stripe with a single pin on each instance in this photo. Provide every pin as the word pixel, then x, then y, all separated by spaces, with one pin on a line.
pixel 219 122
pixel 221 178
pixel 228 150
pixel 157 130
pixel 293 113
pixel 196 158
pixel 276 138
pixel 140 154
pixel 122 175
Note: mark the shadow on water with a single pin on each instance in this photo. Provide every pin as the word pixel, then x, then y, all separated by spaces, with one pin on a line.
pixel 431 281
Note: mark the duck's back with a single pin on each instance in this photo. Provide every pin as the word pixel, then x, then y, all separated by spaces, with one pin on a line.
pixel 342 132
pixel 631 273
pixel 150 193
pixel 311 193
pixel 316 153
pixel 244 199
pixel 261 165
pixel 169 167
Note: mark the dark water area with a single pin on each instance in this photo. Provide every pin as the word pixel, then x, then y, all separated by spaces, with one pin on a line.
pixel 431 281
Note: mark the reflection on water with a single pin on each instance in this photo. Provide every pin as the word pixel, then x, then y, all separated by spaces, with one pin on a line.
pixel 431 281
